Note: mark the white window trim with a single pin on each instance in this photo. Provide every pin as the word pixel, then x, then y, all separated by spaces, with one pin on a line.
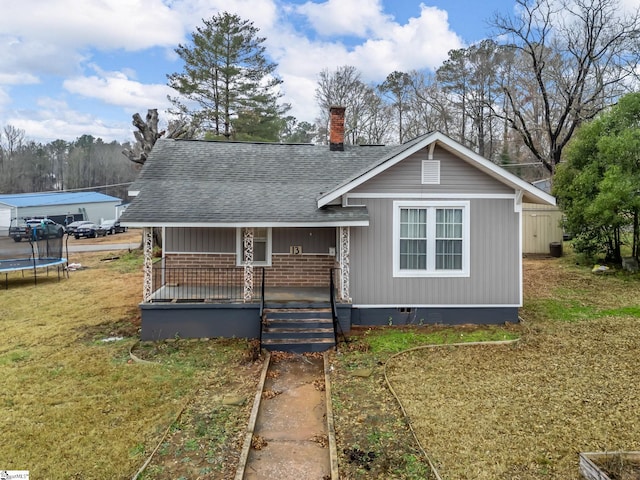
pixel 240 251
pixel 431 272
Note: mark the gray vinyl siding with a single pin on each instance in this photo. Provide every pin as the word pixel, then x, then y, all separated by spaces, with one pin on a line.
pixel 312 240
pixel 494 264
pixel 223 240
pixel 200 240
pixel 456 176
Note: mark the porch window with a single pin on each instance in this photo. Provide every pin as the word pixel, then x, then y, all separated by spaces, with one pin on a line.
pixel 431 239
pixel 261 247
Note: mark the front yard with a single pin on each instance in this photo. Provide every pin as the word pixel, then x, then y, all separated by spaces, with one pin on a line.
pixel 76 406
pixel 520 411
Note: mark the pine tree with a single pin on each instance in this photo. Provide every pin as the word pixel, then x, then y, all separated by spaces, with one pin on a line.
pixel 226 76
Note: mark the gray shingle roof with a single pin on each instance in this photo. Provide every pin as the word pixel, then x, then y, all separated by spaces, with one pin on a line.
pixel 201 182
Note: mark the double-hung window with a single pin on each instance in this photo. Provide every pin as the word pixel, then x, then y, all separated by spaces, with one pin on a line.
pixel 431 239
pixel 261 246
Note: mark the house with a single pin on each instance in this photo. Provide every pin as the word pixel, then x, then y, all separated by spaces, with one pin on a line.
pixel 58 206
pixel 423 232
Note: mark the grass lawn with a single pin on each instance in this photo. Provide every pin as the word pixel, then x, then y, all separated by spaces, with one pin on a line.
pixel 75 406
pixel 521 411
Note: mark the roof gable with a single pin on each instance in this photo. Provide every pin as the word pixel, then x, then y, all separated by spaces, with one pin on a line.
pixel 446 173
pixel 428 143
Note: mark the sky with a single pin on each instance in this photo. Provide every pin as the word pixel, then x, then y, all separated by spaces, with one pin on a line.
pixel 75 67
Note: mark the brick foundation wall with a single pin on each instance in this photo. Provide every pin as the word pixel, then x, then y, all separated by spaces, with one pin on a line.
pixel 285 270
pixel 299 270
pixel 190 269
pixel 199 260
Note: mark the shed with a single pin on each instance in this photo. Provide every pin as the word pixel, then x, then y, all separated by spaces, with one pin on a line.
pixel 93 206
pixel 541 224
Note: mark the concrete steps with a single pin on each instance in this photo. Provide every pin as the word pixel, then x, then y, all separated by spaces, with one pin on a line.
pixel 298 330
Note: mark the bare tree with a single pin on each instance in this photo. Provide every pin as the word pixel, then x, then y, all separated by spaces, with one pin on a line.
pixel 397 88
pixel 147 134
pixel 344 87
pixel 576 56
pixel 11 141
pixel 58 151
pixel 428 108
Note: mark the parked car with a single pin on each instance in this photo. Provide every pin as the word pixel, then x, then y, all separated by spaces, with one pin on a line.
pixel 112 226
pixel 88 230
pixel 36 228
pixel 71 228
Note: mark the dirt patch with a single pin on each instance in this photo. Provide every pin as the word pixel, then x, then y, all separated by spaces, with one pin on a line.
pixel 125 328
pixel 373 439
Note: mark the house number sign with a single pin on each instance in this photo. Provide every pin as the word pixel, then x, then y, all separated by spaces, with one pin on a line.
pixel 295 249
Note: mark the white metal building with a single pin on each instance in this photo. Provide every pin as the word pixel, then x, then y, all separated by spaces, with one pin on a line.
pixel 92 206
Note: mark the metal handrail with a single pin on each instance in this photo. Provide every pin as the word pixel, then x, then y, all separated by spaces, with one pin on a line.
pixel 262 301
pixel 334 308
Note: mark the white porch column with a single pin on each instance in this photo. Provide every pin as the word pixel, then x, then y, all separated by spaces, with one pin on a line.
pixel 345 240
pixel 147 268
pixel 247 246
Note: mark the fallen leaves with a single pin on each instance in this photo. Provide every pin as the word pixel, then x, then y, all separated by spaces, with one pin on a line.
pixel 258 442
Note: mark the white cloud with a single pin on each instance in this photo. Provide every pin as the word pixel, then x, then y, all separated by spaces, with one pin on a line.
pixel 50 129
pixel 55 120
pixel 42 37
pixel 126 24
pixel 300 93
pixel 32 58
pixel 4 99
pixel 345 17
pixel 629 6
pixel 18 79
pixel 116 88
pixel 263 13
pixel 423 42
pixel 73 48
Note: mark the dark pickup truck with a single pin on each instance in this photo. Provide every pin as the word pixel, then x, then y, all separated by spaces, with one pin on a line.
pixel 43 227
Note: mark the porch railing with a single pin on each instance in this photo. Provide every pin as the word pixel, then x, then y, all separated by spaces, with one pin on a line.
pixel 201 284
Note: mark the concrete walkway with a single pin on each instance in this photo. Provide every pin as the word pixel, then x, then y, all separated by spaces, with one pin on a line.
pixel 290 438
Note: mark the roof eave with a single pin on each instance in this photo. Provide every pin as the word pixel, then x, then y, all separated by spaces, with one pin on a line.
pixel 159 224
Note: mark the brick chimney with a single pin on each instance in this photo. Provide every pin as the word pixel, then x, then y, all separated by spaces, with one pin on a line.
pixel 336 129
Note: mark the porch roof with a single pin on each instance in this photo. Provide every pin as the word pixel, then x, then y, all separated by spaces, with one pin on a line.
pixel 200 183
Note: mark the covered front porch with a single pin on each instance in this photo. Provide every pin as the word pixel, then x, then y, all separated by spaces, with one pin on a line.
pixel 202 294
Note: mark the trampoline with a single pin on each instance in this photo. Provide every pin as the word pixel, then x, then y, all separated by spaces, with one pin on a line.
pixel 15 264
pixel 34 255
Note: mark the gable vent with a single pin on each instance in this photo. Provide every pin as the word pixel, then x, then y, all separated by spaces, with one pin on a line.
pixel 431 172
